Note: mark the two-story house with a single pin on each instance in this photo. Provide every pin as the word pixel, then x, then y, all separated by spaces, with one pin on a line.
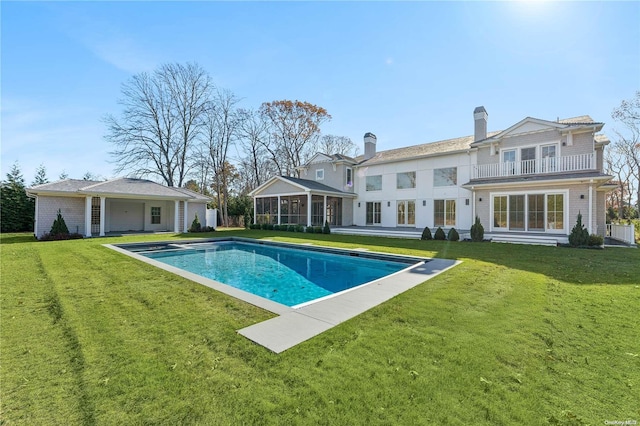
pixel 530 180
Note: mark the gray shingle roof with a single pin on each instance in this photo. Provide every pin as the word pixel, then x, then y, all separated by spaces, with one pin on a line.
pixel 423 150
pixel 313 185
pixel 122 186
pixel 536 178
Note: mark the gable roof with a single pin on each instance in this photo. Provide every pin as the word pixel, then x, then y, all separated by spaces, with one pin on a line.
pixel 423 150
pixel 120 187
pixel 303 184
pixel 536 125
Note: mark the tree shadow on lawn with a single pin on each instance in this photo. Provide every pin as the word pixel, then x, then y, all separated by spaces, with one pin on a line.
pixel 611 266
pixel 14 238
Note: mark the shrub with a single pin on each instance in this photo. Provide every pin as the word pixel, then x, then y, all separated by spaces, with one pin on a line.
pixel 59 226
pixel 326 229
pixel 276 227
pixel 317 230
pixel 439 235
pixel 426 234
pixel 195 225
pixel 291 228
pixel 477 231
pixel 309 229
pixel 270 226
pixel 579 235
pixel 58 237
pixel 453 235
pixel 299 228
pixel 596 240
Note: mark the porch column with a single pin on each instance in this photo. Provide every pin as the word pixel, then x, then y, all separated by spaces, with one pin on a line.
pixel 102 214
pixel 255 210
pixel 186 218
pixel 324 211
pixel 87 216
pixel 278 210
pixel 308 208
pixel 176 217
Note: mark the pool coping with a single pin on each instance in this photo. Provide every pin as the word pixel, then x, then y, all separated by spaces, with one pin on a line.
pixel 293 326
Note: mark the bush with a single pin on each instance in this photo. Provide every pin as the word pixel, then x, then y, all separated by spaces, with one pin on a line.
pixel 317 230
pixel 276 227
pixel 299 228
pixel 59 237
pixel 59 226
pixel 579 235
pixel 596 240
pixel 453 235
pixel 439 235
pixel 477 231
pixel 426 234
pixel 195 225
pixel 269 226
pixel 291 228
pixel 309 229
pixel 326 229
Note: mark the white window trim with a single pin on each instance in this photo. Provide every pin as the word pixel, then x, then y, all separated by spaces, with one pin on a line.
pixel 319 174
pixel 444 225
pixel 538 147
pixel 346 177
pixel 565 213
pixel 415 180
pixel 444 186
pixel 372 190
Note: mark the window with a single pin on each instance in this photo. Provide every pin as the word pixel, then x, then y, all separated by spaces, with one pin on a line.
pixel 548 154
pixel 374 213
pixel 535 212
pixel 500 211
pixel 374 183
pixel 406 180
pixel 444 212
pixel 516 212
pixel 445 177
pixel 555 211
pixel 349 179
pixel 531 212
pixel 406 212
pixel 155 215
pixel 528 160
pixel 508 162
pixel 320 174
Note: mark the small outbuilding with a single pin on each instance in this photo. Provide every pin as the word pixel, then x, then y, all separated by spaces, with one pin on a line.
pixel 93 208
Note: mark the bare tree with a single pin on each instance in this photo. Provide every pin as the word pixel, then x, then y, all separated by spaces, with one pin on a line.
pixel 628 143
pixel 295 129
pixel 160 122
pixel 332 144
pixel 221 130
pixel 255 164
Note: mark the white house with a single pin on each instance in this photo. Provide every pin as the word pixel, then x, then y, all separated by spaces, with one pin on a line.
pixel 95 208
pixel 531 179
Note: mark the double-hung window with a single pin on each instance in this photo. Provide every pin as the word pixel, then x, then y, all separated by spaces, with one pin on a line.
pixel 444 212
pixel 156 217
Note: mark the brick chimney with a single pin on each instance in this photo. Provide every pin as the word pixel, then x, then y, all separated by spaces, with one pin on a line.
pixel 480 119
pixel 369 145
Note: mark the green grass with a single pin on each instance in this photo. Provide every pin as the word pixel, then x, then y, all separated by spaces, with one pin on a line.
pixel 513 335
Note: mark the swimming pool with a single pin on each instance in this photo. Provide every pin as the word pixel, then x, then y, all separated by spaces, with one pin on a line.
pixel 289 274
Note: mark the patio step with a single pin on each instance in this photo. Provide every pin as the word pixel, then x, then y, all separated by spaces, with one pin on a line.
pixel 525 239
pixel 378 232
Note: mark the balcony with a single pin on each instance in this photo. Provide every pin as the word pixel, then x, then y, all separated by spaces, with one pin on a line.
pixel 564 164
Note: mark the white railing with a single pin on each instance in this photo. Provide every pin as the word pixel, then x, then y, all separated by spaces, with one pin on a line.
pixel 624 233
pixel 567 163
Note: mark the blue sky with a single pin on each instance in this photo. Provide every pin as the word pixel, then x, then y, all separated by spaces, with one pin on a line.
pixel 410 72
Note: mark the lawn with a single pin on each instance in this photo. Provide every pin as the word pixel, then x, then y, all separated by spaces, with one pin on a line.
pixel 513 335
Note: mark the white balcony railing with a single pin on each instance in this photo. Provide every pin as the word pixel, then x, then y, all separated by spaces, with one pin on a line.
pixel 567 163
pixel 624 233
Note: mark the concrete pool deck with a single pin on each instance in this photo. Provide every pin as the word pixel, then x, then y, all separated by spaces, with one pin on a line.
pixel 294 325
pixel 291 328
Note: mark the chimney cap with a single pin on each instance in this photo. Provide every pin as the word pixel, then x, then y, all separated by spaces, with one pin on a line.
pixel 479 109
pixel 370 135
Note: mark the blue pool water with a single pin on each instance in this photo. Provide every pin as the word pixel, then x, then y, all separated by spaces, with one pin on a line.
pixel 285 275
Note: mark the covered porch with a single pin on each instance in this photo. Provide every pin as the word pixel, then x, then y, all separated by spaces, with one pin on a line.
pixel 284 200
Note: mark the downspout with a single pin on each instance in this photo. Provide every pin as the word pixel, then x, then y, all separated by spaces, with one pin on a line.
pixel 35 215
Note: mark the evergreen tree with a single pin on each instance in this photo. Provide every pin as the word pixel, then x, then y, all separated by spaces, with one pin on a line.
pixel 16 209
pixel 41 176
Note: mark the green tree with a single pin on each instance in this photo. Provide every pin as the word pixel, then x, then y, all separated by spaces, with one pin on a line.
pixel 16 209
pixel 41 176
